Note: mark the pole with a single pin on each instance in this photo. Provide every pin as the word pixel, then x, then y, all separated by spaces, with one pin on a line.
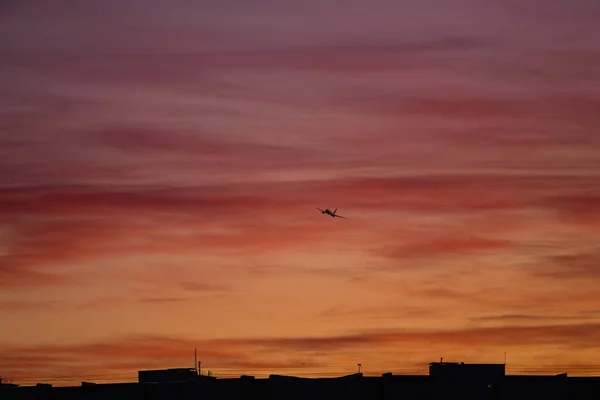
pixel 196 361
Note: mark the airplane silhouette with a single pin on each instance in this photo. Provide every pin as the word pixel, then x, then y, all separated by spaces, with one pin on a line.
pixel 328 212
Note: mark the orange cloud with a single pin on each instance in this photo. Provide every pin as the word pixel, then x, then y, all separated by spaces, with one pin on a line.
pixel 427 247
pixel 584 266
pixel 23 276
pixel 275 355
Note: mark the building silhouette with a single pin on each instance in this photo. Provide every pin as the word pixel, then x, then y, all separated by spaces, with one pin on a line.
pixel 453 380
pixel 168 375
pixel 456 370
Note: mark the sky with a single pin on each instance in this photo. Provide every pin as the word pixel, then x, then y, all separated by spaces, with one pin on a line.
pixel 161 163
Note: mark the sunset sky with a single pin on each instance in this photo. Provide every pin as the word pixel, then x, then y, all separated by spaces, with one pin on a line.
pixel 161 163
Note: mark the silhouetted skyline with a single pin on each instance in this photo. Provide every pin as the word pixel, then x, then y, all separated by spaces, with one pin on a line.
pixel 457 379
pixel 161 161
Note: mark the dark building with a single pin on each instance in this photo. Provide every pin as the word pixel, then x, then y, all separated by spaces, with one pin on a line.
pixel 6 383
pixel 447 380
pixel 167 375
pixel 455 370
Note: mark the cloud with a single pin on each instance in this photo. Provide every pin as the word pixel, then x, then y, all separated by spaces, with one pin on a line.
pixel 584 203
pixel 579 334
pixel 390 311
pixel 85 214
pixel 527 318
pixel 584 266
pixel 10 306
pixel 275 353
pixel 451 193
pixel 90 304
pixel 203 149
pixel 12 276
pixel 165 300
pixel 97 201
pixel 47 225
pixel 57 305
pixel 551 108
pixel 202 287
pixel 438 247
pixel 351 56
pixel 581 209
pixel 125 357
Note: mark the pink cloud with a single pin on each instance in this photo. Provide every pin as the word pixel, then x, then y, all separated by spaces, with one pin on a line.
pixel 69 223
pixel 413 193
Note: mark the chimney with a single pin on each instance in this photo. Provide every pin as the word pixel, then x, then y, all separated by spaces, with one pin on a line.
pixel 441 360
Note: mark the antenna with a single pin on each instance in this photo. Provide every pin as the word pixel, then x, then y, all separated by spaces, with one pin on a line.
pixel 195 360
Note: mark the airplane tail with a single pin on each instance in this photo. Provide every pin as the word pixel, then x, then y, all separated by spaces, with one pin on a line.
pixel 334 211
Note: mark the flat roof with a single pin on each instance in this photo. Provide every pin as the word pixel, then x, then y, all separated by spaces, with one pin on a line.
pixel 462 363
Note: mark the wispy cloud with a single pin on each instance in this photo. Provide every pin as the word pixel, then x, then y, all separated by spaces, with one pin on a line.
pixel 238 354
pixel 572 266
pixel 65 224
pixel 165 300
pixel 445 245
pixel 202 287
pixel 528 318
pixel 23 276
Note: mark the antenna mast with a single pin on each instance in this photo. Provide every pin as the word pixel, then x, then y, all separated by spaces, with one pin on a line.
pixel 196 361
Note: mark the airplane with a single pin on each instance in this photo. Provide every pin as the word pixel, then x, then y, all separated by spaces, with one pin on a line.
pixel 328 212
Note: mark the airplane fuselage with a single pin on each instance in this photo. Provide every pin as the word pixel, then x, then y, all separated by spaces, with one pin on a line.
pixel 329 212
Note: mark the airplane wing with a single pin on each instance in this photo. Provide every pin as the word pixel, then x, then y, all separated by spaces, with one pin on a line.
pixel 339 216
pixel 320 209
